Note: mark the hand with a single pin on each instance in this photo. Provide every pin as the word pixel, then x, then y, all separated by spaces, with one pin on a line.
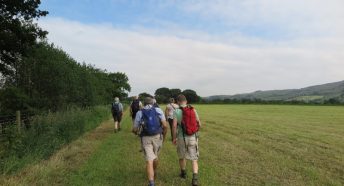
pixel 174 141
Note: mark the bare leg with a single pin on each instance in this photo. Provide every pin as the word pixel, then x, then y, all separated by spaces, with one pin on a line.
pixel 150 170
pixel 155 166
pixel 195 173
pixel 171 126
pixel 116 125
pixel 195 166
pixel 182 164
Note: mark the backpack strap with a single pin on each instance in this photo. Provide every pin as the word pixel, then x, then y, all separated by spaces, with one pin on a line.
pixel 113 105
pixel 181 125
pixel 186 147
pixel 172 107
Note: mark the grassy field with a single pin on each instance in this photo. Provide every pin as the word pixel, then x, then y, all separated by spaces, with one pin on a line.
pixel 239 145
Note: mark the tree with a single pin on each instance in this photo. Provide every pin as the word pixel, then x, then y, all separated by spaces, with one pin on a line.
pixel 18 31
pixel 332 101
pixel 12 99
pixel 143 95
pixel 162 95
pixel 191 96
pixel 175 92
pixel 120 84
pixel 49 79
pixel 342 97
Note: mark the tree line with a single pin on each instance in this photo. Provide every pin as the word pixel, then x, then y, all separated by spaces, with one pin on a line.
pixel 163 94
pixel 36 75
pixel 330 101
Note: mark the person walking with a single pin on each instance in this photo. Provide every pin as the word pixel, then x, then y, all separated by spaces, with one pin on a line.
pixel 186 124
pixel 152 121
pixel 135 106
pixel 117 113
pixel 169 112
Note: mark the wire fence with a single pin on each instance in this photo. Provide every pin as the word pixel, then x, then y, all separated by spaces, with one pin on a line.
pixel 19 119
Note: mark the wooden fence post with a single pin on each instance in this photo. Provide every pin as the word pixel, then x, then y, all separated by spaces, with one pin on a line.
pixel 18 120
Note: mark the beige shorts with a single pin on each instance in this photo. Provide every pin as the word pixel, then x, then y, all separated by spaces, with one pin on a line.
pixel 151 146
pixel 188 149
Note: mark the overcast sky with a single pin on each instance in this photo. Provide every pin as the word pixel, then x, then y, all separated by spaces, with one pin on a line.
pixel 214 47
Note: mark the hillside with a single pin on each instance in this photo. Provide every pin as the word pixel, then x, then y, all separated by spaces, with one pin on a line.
pixel 312 93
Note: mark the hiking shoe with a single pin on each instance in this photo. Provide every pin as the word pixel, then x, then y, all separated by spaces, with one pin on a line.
pixel 151 184
pixel 183 174
pixel 194 182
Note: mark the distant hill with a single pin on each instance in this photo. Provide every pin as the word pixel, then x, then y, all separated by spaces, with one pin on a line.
pixel 317 93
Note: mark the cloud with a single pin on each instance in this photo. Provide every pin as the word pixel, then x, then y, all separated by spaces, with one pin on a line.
pixel 283 18
pixel 210 65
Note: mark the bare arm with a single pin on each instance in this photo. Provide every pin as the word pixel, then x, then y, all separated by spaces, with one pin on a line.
pixel 164 128
pixel 136 125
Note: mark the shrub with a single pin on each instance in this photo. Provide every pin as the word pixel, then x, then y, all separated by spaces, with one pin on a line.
pixel 46 134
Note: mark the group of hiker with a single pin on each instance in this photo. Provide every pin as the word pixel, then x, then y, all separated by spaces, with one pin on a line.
pixel 151 124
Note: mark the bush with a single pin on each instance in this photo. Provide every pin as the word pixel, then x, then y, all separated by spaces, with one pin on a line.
pixel 47 133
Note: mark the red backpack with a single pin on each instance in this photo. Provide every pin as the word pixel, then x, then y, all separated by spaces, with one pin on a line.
pixel 189 120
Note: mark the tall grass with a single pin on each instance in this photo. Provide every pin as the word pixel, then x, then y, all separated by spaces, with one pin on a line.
pixel 47 134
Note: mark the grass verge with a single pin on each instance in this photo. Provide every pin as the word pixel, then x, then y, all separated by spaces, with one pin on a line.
pixel 47 134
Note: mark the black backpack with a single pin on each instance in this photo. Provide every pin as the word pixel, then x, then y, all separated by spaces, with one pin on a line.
pixel 115 108
pixel 135 106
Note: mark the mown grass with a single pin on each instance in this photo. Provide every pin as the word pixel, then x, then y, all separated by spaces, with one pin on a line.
pixel 239 145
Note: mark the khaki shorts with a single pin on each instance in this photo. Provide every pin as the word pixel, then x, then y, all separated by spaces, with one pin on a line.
pixel 151 146
pixel 188 149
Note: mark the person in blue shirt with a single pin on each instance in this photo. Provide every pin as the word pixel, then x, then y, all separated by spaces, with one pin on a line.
pixel 151 124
